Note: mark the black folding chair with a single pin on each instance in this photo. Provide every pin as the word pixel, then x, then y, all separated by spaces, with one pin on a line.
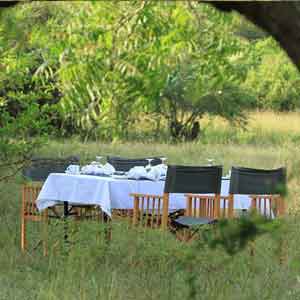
pixel 123 164
pixel 203 185
pixel 265 187
pixel 182 179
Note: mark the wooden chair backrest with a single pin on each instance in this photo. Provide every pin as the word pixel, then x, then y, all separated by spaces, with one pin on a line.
pixel 30 193
pixel 270 206
pixel 151 210
pixel 213 206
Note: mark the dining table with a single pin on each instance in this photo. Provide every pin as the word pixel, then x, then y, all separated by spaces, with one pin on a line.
pixel 112 192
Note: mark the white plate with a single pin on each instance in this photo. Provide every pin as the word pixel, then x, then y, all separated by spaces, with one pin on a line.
pixel 119 176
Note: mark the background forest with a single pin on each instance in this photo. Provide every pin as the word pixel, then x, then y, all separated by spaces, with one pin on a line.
pixel 117 70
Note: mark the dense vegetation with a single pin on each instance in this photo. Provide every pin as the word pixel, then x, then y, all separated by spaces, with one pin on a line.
pixel 101 69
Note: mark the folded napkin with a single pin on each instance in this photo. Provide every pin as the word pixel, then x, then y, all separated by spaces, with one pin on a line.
pixel 137 172
pixel 93 169
pixel 108 169
pixel 155 173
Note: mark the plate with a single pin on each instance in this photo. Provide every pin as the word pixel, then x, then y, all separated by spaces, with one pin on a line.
pixel 93 174
pixel 119 176
pixel 119 173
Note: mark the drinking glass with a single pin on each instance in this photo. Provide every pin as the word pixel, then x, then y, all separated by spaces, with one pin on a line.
pixel 148 167
pixel 98 160
pixel 210 161
pixel 163 160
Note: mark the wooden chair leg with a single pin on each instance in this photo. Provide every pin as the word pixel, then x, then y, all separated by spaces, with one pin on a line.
pixel 252 248
pixel 23 234
pixel 45 235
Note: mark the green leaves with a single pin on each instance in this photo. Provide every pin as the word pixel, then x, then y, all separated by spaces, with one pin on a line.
pixel 101 65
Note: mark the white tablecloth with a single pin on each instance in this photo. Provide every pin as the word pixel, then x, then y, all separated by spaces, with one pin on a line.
pixel 110 193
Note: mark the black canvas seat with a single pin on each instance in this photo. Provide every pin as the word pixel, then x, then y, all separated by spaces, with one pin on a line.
pixel 39 168
pixel 185 221
pixel 125 164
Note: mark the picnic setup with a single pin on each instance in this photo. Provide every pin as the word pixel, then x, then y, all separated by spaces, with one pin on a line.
pixel 146 192
pixel 149 150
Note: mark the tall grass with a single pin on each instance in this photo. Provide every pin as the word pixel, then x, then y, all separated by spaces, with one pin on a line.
pixel 263 128
pixel 154 265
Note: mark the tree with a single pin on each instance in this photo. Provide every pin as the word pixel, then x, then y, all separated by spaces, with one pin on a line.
pixel 184 103
pixel 280 19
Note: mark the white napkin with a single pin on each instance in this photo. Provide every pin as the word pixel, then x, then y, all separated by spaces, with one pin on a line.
pixel 137 172
pixel 162 169
pixel 157 172
pixel 88 169
pixel 108 169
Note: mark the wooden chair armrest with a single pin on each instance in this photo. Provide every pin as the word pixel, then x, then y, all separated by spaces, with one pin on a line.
pixel 200 195
pixel 145 195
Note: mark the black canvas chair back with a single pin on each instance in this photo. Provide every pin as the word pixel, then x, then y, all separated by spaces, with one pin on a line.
pixel 40 168
pixel 195 180
pixel 125 164
pixel 256 181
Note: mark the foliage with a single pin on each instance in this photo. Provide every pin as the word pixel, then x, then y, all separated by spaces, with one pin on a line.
pixel 275 81
pixel 94 68
pixel 16 142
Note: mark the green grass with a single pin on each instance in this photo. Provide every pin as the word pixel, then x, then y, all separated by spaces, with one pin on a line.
pixel 153 265
pixel 263 128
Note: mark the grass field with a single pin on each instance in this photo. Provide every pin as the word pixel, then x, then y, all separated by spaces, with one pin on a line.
pixel 154 265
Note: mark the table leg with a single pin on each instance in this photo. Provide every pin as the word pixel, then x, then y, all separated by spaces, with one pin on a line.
pixel 65 216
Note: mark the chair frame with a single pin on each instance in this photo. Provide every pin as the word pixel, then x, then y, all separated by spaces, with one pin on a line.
pixel 29 212
pixel 259 202
pixel 163 207
pixel 209 206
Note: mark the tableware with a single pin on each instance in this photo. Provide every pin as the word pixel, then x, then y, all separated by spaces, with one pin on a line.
pixel 99 159
pixel 108 169
pixel 210 161
pixel 119 176
pixel 73 169
pixel 163 160
pixel 148 167
pixel 137 172
pixel 119 173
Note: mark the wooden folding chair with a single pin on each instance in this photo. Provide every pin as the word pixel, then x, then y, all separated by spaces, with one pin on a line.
pixel 37 172
pixel 265 187
pixel 153 210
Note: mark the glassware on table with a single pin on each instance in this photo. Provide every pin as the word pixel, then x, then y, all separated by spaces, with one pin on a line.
pixel 163 160
pixel 229 174
pixel 210 161
pixel 98 160
pixel 148 167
